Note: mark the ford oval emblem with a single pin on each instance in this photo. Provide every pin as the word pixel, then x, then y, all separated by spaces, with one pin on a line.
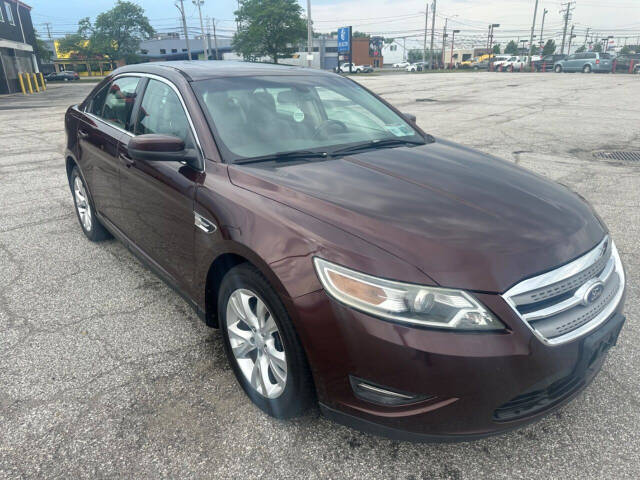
pixel 594 293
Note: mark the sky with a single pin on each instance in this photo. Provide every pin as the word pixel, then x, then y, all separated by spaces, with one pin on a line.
pixel 390 18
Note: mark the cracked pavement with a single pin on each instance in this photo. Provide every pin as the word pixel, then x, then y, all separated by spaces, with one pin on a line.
pixel 106 372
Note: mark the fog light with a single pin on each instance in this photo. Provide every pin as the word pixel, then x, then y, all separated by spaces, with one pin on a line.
pixel 380 395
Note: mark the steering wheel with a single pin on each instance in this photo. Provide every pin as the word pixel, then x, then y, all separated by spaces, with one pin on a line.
pixel 329 127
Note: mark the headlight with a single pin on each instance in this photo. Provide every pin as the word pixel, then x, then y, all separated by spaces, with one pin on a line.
pixel 403 302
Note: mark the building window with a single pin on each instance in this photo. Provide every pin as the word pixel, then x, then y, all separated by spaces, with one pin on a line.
pixel 393 48
pixel 1 17
pixel 144 52
pixel 10 19
pixel 174 50
pixel 184 49
pixel 163 51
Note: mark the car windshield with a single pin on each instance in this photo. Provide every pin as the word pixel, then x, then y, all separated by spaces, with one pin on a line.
pixel 266 115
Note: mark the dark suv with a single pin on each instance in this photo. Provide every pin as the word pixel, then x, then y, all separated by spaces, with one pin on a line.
pixel 546 63
pixel 413 287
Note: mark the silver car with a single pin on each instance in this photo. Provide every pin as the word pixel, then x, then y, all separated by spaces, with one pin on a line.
pixel 586 62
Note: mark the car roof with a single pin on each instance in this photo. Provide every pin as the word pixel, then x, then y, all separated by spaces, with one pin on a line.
pixel 194 70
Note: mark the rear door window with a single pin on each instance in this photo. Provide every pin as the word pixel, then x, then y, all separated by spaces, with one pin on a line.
pixel 97 102
pixel 119 101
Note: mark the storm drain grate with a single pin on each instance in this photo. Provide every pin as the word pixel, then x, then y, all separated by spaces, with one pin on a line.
pixel 627 156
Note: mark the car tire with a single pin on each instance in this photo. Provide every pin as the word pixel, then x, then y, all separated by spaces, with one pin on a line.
pixel 475 69
pixel 586 69
pixel 91 226
pixel 263 345
pixel 558 69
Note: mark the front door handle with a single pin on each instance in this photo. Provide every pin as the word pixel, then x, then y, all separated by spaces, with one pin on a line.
pixel 82 134
pixel 127 160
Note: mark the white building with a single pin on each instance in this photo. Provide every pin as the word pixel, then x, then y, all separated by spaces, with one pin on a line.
pixel 394 52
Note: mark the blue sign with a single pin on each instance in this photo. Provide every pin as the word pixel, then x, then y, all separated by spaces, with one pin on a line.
pixel 344 42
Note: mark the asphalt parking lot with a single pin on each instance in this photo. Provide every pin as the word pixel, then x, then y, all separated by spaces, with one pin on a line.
pixel 106 372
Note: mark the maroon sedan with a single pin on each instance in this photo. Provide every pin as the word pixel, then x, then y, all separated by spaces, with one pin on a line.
pixel 413 287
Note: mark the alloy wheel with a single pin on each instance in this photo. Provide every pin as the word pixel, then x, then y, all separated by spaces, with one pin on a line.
pixel 256 343
pixel 82 203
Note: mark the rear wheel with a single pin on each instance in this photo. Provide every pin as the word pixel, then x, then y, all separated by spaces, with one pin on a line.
pixel 586 69
pixel 261 344
pixel 91 226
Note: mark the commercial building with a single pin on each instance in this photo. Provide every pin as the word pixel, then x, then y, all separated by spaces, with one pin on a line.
pixel 172 47
pixel 72 62
pixel 394 52
pixel 17 44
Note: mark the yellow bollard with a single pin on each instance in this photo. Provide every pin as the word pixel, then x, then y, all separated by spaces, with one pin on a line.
pixel 24 92
pixel 35 82
pixel 44 87
pixel 29 82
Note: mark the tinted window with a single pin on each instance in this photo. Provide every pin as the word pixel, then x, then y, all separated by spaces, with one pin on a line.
pixel 121 95
pixel 589 55
pixel 161 112
pixel 605 55
pixel 97 102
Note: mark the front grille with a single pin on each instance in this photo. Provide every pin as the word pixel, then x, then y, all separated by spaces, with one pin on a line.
pixel 571 300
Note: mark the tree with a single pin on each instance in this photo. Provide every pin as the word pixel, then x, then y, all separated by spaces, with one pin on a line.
pixel 597 47
pixel 549 47
pixel 496 49
pixel 415 55
pixel 511 48
pixel 625 50
pixel 118 32
pixel 42 50
pixel 581 49
pixel 268 28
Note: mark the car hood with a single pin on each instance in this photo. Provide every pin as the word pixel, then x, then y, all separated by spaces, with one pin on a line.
pixel 466 219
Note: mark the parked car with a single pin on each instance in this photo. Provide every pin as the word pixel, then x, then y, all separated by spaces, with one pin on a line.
pixel 401 65
pixel 623 62
pixel 62 76
pixel 417 66
pixel 344 68
pixel 514 64
pixel 413 287
pixel 586 62
pixel 547 63
pixel 636 69
pixel 499 61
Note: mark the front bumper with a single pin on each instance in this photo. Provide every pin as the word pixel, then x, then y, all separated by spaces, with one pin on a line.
pixel 468 377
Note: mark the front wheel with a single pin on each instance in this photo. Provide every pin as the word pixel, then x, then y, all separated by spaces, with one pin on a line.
pixel 261 344
pixel 91 226
pixel 558 69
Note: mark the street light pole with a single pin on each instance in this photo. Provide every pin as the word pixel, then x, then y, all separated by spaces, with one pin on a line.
pixel 204 40
pixel 453 39
pixel 309 35
pixel 184 25
pixel 433 31
pixel 424 46
pixel 444 39
pixel 533 26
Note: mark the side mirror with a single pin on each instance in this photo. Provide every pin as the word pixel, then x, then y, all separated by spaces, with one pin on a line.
pixel 411 117
pixel 163 148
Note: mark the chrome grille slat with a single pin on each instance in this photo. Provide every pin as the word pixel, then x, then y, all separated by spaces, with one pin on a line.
pixel 557 303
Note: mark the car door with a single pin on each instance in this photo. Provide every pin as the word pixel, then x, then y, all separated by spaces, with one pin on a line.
pixel 158 196
pixel 106 118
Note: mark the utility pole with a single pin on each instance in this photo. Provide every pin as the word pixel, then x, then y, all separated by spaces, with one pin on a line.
pixel 424 45
pixel 433 31
pixel 586 36
pixel 309 35
pixel 567 13
pixel 544 14
pixel 533 26
pixel 453 39
pixel 48 25
pixel 571 36
pixel 205 50
pixel 184 25
pixel 215 38
pixel 444 39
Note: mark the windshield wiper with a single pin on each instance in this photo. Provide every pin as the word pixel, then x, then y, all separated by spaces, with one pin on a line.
pixel 284 156
pixel 374 144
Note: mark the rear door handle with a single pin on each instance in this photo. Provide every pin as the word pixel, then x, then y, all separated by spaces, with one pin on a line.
pixel 82 134
pixel 127 160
